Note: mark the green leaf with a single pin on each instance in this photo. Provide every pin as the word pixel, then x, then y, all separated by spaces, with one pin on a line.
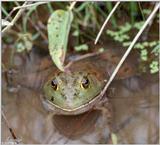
pixel 138 25
pixel 124 28
pixel 81 47
pixel 154 67
pixel 144 53
pixel 112 33
pixel 146 11
pixel 59 25
pixel 126 43
pixel 156 49
pixel 153 43
pixel 75 33
pixel 139 46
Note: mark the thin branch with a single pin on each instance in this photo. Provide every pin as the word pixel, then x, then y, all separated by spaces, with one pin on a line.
pixel 29 5
pixel 9 18
pixel 8 126
pixel 14 19
pixel 5 23
pixel 129 49
pixel 72 5
pixel 104 24
pixel 81 57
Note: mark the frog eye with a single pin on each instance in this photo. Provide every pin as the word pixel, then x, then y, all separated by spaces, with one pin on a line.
pixel 85 83
pixel 54 84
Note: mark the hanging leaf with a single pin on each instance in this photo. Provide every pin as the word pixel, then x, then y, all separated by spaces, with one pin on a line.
pixel 59 25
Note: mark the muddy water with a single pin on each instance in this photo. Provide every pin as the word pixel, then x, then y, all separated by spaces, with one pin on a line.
pixel 135 114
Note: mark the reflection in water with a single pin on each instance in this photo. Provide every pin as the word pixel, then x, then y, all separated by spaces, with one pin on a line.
pixel 136 110
pixel 135 114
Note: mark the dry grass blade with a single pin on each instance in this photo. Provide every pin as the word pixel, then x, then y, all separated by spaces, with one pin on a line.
pixel 81 57
pixel 5 23
pixel 29 5
pixel 104 24
pixel 14 19
pixel 9 128
pixel 72 5
pixel 130 48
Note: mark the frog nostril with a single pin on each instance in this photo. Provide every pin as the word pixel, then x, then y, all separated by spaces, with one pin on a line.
pixel 52 98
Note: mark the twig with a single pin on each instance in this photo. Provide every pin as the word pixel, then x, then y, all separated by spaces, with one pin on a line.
pixel 72 5
pixel 14 19
pixel 29 5
pixel 81 57
pixel 10 129
pixel 129 49
pixel 8 16
pixel 104 24
pixel 5 23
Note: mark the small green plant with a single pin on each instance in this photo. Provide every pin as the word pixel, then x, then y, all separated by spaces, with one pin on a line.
pixel 82 47
pixel 154 67
pixel 144 54
pixel 122 36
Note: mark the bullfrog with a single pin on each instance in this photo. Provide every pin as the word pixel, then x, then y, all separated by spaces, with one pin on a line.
pixel 70 94
pixel 77 90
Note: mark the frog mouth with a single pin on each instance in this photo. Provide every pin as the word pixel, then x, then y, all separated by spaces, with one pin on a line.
pixel 74 111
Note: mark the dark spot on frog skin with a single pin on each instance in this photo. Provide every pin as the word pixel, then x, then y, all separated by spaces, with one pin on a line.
pixel 63 95
pixel 57 35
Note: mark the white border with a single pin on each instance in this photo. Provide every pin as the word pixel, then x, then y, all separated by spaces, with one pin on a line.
pixel 66 1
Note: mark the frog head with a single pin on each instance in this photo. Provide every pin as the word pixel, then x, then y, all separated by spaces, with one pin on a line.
pixel 70 90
